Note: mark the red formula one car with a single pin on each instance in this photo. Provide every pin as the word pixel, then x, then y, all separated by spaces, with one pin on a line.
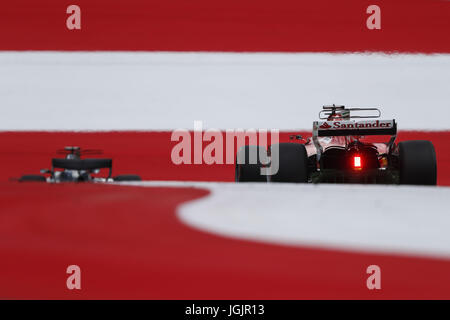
pixel 342 150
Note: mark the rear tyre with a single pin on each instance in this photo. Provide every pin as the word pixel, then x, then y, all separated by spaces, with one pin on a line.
pixel 293 163
pixel 417 162
pixel 127 177
pixel 246 171
pixel 32 178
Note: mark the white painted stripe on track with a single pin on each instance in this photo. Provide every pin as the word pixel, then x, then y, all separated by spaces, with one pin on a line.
pixel 405 220
pixel 166 91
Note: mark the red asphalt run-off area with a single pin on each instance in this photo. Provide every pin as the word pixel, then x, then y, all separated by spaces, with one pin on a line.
pixel 131 244
pixel 128 240
pixel 233 25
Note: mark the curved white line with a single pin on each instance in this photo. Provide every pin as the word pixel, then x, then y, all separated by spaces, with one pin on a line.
pixel 383 219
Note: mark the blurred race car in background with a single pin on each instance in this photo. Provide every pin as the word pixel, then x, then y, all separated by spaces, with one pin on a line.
pixel 338 152
pixel 72 168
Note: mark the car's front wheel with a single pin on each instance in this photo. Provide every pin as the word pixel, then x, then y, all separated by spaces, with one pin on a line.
pixel 32 178
pixel 127 177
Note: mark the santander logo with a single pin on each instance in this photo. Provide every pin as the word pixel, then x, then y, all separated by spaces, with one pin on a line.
pixel 357 125
pixel 325 126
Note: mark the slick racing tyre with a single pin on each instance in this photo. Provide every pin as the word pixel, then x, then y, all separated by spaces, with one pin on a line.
pixel 127 177
pixel 417 162
pixel 292 163
pixel 246 171
pixel 32 178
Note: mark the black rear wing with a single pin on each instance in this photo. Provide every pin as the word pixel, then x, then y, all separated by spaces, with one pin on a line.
pixel 353 128
pixel 82 164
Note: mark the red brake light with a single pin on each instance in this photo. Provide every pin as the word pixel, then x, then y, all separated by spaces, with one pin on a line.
pixel 357 162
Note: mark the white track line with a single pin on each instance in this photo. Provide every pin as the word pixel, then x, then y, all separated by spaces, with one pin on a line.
pixel 381 219
pixel 157 91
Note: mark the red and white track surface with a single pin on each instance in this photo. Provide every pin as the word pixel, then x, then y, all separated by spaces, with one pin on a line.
pixel 188 232
pixel 244 242
pixel 237 241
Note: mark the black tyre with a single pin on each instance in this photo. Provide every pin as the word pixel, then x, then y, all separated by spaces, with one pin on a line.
pixel 417 162
pixel 292 163
pixel 127 177
pixel 32 178
pixel 246 171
